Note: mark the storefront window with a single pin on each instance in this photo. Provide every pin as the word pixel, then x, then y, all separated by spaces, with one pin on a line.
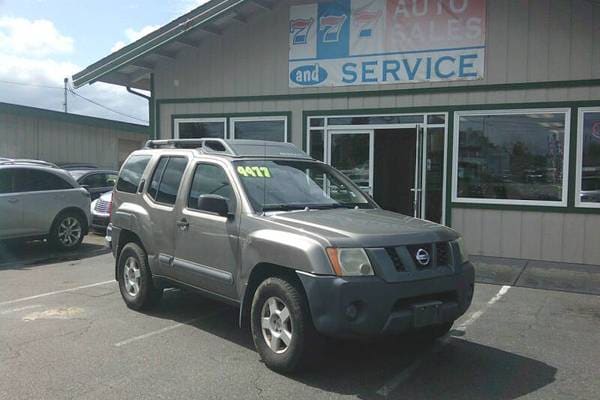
pixel 200 128
pixel 515 157
pixel 434 181
pixel 377 120
pixel 272 129
pixel 589 158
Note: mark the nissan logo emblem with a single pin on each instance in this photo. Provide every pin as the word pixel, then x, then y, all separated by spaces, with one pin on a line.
pixel 423 257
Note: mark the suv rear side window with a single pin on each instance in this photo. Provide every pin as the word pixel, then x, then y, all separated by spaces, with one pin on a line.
pixel 131 174
pixel 31 180
pixel 6 181
pixel 210 179
pixel 167 179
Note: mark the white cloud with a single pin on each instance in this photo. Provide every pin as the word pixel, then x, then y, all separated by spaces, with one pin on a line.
pixel 34 38
pixel 32 55
pixel 132 35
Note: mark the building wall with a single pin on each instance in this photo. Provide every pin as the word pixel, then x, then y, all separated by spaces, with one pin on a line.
pixel 28 136
pixel 540 53
pixel 527 41
pixel 564 237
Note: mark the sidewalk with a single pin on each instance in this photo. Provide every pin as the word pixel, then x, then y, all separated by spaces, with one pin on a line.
pixel 577 278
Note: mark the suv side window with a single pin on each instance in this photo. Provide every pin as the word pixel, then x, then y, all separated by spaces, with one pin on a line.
pixel 30 180
pixel 167 179
pixel 131 174
pixel 210 179
pixel 6 181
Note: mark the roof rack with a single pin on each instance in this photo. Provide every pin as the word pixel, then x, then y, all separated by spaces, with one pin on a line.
pixel 36 163
pixel 207 145
pixel 233 148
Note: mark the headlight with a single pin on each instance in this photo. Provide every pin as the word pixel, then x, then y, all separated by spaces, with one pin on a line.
pixel 463 254
pixel 350 262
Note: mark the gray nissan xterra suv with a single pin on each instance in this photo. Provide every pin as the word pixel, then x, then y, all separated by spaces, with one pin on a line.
pixel 289 240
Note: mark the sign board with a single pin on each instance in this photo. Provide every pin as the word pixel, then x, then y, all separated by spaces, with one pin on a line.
pixel 374 42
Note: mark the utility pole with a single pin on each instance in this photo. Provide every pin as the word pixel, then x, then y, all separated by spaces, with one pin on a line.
pixel 66 99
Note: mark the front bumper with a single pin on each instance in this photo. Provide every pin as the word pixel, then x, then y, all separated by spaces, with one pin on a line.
pixel 100 221
pixel 369 306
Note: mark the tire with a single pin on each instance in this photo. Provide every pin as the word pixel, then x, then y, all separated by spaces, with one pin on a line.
pixel 288 341
pixel 67 231
pixel 135 279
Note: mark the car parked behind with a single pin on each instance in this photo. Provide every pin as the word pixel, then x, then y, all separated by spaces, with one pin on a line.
pixel 38 202
pixel 95 181
pixel 101 208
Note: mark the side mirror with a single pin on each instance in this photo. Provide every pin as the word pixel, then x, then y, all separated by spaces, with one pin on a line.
pixel 86 187
pixel 214 204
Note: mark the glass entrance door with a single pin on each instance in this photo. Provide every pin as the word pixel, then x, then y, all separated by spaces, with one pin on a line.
pixel 398 170
pixel 351 152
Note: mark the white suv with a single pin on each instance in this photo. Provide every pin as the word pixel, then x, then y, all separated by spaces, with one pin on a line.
pixel 39 202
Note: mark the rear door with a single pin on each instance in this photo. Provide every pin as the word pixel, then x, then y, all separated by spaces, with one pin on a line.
pixel 43 195
pixel 161 198
pixel 206 249
pixel 11 206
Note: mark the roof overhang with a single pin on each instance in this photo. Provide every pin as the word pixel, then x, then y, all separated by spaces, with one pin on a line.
pixel 132 65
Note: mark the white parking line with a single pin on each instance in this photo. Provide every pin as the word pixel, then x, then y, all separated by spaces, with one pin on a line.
pixel 15 310
pixel 167 329
pixel 403 376
pixel 37 296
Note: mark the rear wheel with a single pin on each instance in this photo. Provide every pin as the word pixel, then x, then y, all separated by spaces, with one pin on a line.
pixel 282 327
pixel 67 231
pixel 135 279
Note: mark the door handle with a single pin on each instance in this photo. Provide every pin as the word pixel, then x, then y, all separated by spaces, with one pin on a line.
pixel 183 224
pixel 13 201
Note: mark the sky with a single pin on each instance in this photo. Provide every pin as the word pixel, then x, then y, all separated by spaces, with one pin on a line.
pixel 44 41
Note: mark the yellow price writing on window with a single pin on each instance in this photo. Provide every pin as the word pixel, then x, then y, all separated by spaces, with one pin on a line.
pixel 254 172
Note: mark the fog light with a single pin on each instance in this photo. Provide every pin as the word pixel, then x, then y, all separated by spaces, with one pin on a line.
pixel 351 312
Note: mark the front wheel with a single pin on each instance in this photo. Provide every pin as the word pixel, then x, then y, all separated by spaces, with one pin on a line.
pixel 135 279
pixel 282 327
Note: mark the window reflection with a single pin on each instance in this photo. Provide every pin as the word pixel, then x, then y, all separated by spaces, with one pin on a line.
pixel 513 156
pixel 590 168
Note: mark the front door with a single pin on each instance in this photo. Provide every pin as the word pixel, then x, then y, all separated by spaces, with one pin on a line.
pixel 397 172
pixel 351 152
pixel 385 163
pixel 206 247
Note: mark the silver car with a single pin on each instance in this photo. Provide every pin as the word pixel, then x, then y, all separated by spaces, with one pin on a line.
pixel 38 202
pixel 292 242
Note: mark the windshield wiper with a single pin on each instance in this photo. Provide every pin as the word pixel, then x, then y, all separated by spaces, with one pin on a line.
pixel 295 207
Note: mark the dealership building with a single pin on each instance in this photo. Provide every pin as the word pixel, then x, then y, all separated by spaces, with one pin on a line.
pixel 482 115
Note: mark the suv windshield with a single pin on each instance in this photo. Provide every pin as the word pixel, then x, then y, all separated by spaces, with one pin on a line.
pixel 284 185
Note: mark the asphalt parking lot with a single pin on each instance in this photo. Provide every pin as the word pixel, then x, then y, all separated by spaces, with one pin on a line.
pixel 66 333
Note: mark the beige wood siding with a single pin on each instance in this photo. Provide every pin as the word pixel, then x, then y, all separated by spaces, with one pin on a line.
pixel 572 238
pixel 527 41
pixel 57 141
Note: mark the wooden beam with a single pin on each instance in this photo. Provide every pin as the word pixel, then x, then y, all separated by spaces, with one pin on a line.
pixel 143 65
pixel 263 4
pixel 188 43
pixel 212 30
pixel 164 54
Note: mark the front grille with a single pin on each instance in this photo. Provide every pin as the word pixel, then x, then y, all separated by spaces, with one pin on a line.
pixel 421 254
pixel 443 253
pixel 395 259
pixel 102 206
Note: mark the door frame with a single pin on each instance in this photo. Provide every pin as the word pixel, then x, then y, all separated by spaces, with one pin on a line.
pixel 419 182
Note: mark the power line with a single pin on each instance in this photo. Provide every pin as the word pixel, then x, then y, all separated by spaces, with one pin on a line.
pixel 31 85
pixel 105 107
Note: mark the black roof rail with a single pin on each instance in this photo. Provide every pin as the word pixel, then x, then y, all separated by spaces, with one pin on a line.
pixel 207 145
pixel 232 148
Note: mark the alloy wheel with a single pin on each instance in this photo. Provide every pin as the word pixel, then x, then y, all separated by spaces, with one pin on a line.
pixel 276 325
pixel 69 231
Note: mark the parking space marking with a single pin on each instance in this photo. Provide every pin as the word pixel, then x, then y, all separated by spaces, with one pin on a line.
pixel 38 296
pixel 16 310
pixel 405 374
pixel 167 328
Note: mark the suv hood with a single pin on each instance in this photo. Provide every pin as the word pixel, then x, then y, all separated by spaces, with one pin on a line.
pixel 364 228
